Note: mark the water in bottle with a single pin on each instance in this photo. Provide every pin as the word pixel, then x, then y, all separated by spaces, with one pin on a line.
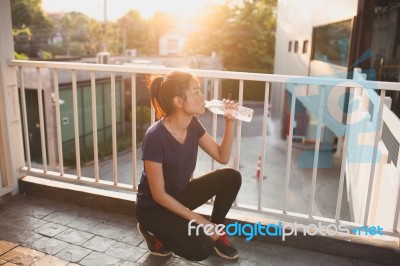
pixel 241 113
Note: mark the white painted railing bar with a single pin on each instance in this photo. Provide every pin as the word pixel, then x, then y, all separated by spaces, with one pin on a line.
pixel 343 166
pixel 134 145
pixel 239 125
pixel 214 120
pixel 219 74
pixel 239 131
pixel 114 131
pixel 152 114
pixel 397 205
pixel 58 122
pixel 76 124
pixel 41 119
pixel 316 151
pixel 341 180
pixel 24 119
pixel 358 153
pixel 289 151
pixel 264 143
pixel 94 126
pixel 378 136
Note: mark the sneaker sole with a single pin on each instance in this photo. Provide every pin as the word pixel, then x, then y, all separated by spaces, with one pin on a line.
pixel 152 252
pixel 225 256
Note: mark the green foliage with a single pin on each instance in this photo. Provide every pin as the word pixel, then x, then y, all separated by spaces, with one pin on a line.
pixel 44 55
pixel 136 32
pixel 21 56
pixel 58 49
pixel 25 12
pixel 76 49
pixel 22 33
pixel 27 15
pixel 242 32
pixel 253 90
pixel 74 27
pixel 143 114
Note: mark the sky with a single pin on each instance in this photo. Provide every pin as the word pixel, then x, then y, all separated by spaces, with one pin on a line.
pixel 184 9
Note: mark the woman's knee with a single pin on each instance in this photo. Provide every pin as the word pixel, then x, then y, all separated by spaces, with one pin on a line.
pixel 233 176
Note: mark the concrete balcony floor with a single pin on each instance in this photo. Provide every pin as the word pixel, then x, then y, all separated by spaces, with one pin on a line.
pixel 38 231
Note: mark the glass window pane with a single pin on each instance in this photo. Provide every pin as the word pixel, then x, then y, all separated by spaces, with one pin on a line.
pixel 332 42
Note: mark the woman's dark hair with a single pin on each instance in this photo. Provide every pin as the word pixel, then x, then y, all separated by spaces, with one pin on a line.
pixel 164 89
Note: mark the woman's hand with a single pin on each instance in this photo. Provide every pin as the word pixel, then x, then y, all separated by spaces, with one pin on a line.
pixel 204 222
pixel 214 235
pixel 230 109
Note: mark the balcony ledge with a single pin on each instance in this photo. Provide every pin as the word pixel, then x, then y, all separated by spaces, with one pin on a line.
pixel 355 247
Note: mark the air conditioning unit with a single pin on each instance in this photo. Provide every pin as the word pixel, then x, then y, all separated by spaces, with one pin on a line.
pixel 103 58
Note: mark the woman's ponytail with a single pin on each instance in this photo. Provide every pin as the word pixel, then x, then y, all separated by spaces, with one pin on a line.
pixel 155 86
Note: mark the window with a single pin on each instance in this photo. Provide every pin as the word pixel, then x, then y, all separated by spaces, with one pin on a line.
pixel 296 46
pixel 305 46
pixel 331 43
pixel 290 46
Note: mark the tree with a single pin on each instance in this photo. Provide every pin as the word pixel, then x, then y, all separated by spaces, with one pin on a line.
pixel 94 43
pixel 23 12
pixel 137 32
pixel 74 28
pixel 28 14
pixel 242 32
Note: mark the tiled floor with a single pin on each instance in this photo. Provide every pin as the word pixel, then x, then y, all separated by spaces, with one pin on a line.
pixel 35 231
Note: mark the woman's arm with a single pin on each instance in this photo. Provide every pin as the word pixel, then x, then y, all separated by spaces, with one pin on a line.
pixel 221 152
pixel 155 177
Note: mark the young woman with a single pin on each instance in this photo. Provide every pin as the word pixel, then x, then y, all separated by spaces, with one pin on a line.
pixel 167 194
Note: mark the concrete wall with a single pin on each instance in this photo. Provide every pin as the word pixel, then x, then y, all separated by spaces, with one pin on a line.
pixel 295 22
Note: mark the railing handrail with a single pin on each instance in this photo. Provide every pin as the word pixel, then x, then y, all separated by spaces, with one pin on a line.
pixel 223 74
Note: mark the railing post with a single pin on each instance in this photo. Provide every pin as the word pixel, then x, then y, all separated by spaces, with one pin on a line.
pixel 11 144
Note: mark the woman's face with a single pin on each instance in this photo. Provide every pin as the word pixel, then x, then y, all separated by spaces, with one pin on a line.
pixel 194 103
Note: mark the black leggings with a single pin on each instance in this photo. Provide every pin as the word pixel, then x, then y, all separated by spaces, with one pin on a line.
pixel 172 229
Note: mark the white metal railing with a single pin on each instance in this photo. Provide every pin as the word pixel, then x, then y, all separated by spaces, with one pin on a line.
pixel 289 81
pixel 382 188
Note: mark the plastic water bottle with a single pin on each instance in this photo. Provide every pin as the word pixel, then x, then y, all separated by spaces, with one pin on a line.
pixel 241 113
